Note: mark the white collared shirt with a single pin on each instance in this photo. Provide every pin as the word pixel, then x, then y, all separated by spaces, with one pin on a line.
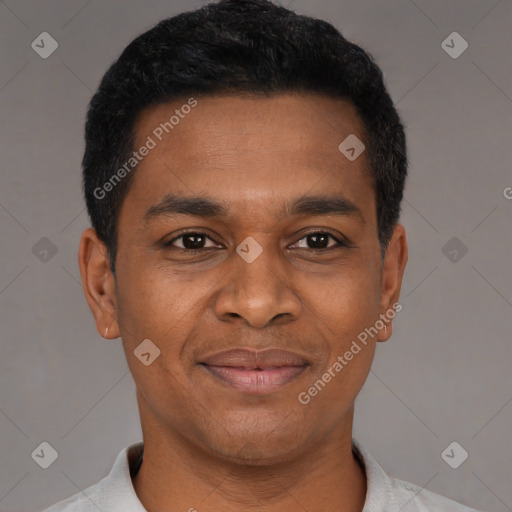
pixel 115 493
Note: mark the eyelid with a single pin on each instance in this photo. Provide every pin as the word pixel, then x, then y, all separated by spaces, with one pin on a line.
pixel 341 241
pixel 189 232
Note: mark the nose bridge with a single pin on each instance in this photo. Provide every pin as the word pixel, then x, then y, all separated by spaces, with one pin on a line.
pixel 258 289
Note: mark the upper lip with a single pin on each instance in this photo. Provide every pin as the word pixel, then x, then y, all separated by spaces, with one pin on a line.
pixel 250 358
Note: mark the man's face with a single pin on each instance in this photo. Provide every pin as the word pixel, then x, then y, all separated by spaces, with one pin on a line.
pixel 197 296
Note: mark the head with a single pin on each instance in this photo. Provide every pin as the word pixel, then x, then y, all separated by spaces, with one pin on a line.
pixel 226 123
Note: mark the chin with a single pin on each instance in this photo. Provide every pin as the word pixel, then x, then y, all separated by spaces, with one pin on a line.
pixel 257 455
pixel 269 444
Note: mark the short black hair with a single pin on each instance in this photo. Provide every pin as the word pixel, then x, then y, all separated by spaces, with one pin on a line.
pixel 235 47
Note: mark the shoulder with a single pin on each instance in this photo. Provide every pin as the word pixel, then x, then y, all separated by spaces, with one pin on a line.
pixel 390 494
pixel 84 501
pixel 410 497
pixel 114 493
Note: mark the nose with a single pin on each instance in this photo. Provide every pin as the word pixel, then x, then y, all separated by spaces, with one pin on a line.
pixel 259 293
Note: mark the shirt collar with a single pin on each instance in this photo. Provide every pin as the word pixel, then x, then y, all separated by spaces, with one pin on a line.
pixel 377 481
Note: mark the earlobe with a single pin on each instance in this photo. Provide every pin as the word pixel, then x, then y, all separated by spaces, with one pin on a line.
pixel 98 283
pixel 393 269
pixel 386 332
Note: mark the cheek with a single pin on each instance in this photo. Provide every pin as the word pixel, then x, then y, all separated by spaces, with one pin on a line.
pixel 345 302
pixel 333 387
pixel 153 304
pixel 154 318
pixel 345 310
pixel 164 308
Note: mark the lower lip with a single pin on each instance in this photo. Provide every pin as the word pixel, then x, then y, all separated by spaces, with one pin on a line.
pixel 256 381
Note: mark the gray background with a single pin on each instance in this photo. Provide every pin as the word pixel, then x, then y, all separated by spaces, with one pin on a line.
pixel 445 374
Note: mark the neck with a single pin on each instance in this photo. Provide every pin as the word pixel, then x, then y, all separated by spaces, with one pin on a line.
pixel 177 475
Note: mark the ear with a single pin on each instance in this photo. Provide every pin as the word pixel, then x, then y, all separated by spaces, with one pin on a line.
pixel 393 268
pixel 98 283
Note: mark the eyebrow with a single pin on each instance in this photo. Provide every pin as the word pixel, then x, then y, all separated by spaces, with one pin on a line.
pixel 173 204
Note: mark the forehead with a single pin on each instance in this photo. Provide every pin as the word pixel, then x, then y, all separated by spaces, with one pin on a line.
pixel 315 123
pixel 248 150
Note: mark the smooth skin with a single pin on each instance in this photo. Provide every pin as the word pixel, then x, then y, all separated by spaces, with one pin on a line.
pixel 208 446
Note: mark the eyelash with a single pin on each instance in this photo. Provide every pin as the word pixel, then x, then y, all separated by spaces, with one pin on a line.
pixel 339 243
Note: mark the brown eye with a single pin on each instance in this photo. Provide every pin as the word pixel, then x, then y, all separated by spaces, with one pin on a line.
pixel 191 241
pixel 318 240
